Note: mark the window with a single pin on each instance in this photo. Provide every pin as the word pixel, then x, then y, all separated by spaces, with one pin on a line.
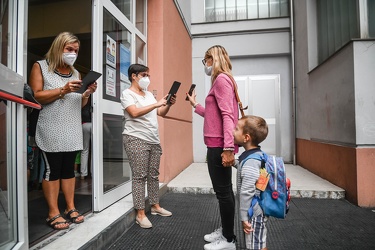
pixel 228 10
pixel 337 25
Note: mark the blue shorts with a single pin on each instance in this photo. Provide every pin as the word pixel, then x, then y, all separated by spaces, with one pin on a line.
pixel 257 239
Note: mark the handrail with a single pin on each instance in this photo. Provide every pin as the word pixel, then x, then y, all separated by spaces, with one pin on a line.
pixel 19 100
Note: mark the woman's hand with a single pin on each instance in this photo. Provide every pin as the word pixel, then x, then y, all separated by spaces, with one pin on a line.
pixel 90 90
pixel 192 98
pixel 163 110
pixel 72 86
pixel 173 100
pixel 162 102
pixel 227 158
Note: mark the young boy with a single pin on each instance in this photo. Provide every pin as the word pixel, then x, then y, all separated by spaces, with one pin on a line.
pixel 249 132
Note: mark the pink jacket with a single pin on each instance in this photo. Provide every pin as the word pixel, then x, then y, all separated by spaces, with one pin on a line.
pixel 220 114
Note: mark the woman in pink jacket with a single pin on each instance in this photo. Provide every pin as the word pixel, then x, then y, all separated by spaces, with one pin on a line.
pixel 220 114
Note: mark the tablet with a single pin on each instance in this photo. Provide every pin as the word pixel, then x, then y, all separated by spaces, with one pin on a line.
pixel 173 91
pixel 90 78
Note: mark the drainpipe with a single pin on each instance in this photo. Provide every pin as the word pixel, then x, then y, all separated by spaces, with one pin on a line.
pixel 294 105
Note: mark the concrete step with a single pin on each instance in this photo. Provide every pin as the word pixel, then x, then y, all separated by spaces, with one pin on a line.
pixel 195 179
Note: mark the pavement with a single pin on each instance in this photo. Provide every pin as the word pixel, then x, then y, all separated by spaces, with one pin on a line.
pixel 319 218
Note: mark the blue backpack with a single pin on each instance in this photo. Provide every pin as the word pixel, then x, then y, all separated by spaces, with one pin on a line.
pixel 274 200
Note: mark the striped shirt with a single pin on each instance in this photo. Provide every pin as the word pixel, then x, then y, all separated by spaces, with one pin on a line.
pixel 247 176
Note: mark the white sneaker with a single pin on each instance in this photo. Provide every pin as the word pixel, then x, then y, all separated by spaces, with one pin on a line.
pixel 221 244
pixel 214 235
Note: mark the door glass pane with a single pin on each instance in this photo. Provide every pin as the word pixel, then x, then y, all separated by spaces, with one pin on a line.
pixel 116 169
pixel 117 58
pixel 7 222
pixel 4 43
pixel 140 15
pixel 125 6
pixel 140 50
pixel 116 55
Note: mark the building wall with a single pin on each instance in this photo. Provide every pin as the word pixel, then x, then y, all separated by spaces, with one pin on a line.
pixel 364 91
pixel 335 104
pixel 169 59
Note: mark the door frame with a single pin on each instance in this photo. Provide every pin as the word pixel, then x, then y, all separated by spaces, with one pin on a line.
pixel 102 106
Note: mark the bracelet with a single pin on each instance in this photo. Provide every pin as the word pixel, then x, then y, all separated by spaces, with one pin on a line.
pixel 228 149
pixel 61 96
pixel 195 105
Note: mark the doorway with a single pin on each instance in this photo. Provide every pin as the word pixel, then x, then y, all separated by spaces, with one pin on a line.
pixel 261 93
pixel 46 19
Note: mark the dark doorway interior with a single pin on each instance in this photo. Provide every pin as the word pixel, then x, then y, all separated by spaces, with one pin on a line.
pixel 46 20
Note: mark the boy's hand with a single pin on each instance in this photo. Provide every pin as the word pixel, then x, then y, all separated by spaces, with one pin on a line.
pixel 247 227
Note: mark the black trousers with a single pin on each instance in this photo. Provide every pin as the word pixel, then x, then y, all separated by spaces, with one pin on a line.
pixel 221 178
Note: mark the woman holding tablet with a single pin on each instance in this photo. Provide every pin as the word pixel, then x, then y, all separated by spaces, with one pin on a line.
pixel 141 141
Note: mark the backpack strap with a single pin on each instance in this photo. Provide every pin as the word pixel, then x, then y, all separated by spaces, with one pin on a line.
pixel 262 157
pixel 256 156
pixel 254 201
pixel 237 96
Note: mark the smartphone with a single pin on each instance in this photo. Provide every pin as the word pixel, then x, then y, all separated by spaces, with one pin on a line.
pixel 173 91
pixel 192 87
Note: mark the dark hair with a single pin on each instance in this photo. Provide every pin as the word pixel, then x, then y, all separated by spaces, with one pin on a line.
pixel 136 69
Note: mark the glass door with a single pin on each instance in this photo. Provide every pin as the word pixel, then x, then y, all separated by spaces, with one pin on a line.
pixel 13 219
pixel 114 49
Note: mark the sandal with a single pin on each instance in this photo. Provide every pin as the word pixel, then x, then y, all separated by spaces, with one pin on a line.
pixel 74 219
pixel 54 225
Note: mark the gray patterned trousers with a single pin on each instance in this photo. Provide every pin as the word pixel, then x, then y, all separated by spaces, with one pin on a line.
pixel 144 160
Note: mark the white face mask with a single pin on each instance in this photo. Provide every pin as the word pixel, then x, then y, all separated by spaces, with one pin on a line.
pixel 69 58
pixel 144 82
pixel 208 70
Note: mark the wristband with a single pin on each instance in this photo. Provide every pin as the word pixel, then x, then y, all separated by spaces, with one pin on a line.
pixel 228 149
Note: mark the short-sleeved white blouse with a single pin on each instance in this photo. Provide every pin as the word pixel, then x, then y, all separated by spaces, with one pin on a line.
pixel 144 127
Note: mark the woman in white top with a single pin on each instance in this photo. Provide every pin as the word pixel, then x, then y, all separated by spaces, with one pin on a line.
pixel 55 81
pixel 141 141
